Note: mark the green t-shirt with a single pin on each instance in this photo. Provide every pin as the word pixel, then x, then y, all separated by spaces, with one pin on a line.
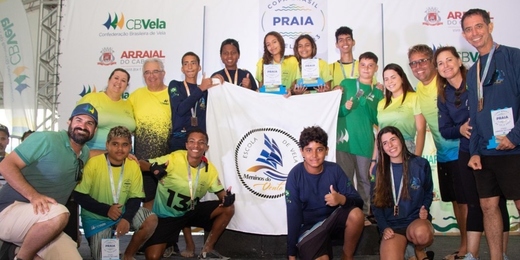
pixel 355 126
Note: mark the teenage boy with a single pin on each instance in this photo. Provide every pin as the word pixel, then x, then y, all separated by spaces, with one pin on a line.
pixel 110 196
pixel 346 67
pixel 357 117
pixel 321 203
pixel 188 101
pixel 187 178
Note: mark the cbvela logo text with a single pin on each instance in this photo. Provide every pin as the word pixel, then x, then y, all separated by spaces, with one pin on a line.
pixel 263 159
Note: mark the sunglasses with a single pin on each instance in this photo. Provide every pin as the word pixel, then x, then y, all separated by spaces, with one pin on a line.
pixel 79 171
pixel 418 62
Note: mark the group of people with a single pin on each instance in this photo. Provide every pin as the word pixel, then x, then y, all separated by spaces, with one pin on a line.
pixel 472 115
pixel 471 118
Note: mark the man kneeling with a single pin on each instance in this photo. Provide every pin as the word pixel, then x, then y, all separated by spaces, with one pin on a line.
pixel 321 203
pixel 110 196
pixel 185 176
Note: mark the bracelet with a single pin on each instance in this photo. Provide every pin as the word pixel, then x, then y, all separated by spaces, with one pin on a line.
pixel 373 160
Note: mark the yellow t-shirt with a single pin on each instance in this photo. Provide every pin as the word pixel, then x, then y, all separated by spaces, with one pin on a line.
pixel 153 121
pixel 290 71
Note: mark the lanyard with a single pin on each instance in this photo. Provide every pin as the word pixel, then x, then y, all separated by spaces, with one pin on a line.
pixel 229 76
pixel 193 188
pixel 480 84
pixel 115 194
pixel 396 197
pixel 193 109
pixel 351 70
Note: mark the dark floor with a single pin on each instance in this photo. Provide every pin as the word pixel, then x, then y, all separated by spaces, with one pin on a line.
pixel 443 245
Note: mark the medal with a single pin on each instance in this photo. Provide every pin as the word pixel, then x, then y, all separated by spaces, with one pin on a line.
pixel 194 121
pixel 396 210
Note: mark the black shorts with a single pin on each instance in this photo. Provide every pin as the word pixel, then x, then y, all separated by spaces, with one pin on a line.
pixel 450 183
pixel 318 242
pixel 499 176
pixel 168 229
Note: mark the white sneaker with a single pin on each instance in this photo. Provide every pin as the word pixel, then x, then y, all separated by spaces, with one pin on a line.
pixel 470 256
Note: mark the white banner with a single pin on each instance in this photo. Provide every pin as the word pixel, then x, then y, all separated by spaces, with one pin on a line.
pixel 18 73
pixel 253 141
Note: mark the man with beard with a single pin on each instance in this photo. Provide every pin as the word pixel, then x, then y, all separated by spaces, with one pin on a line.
pixel 41 174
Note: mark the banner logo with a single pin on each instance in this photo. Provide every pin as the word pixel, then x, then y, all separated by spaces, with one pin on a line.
pixel 87 89
pixel 14 54
pixel 133 27
pixel 116 23
pixel 432 17
pixel 263 159
pixel 107 57
pixel 294 19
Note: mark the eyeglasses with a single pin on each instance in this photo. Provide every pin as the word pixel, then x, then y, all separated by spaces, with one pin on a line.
pixel 154 72
pixel 79 172
pixel 458 102
pixel 418 62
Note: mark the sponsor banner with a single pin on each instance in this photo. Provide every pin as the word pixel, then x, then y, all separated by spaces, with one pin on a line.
pixel 292 19
pixel 18 68
pixel 254 144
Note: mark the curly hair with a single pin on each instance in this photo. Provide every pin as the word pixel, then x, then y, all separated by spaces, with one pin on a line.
pixel 313 134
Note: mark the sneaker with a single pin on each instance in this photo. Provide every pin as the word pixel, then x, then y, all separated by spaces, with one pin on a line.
pixel 213 254
pixel 171 250
pixel 470 256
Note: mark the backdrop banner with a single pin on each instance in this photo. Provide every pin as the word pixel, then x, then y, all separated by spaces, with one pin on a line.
pixel 253 141
pixel 98 36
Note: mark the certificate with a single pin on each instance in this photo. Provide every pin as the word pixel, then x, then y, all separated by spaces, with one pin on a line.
pixel 272 74
pixel 110 249
pixel 503 121
pixel 310 68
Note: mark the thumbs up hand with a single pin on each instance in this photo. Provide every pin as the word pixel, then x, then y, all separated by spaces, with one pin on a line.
pixel 333 198
pixel 246 82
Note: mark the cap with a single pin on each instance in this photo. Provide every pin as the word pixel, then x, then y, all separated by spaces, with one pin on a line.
pixel 4 129
pixel 85 109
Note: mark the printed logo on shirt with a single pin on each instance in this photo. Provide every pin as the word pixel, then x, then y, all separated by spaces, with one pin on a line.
pixel 263 159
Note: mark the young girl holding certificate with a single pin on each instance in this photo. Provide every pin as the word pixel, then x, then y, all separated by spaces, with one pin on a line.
pixel 305 50
pixel 285 73
pixel 402 197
